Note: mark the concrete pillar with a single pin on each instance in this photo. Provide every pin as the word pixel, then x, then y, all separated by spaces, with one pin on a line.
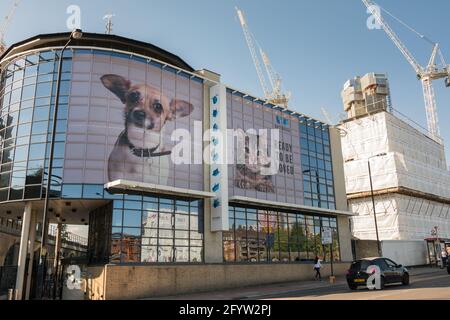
pixel 26 221
pixel 340 192
pixel 212 240
pixel 345 238
pixel 57 246
pixel 31 251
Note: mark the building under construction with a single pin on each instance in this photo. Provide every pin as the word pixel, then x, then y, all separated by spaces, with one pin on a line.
pixel 411 182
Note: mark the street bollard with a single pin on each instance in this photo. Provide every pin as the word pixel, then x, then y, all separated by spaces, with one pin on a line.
pixel 11 294
pixel 332 279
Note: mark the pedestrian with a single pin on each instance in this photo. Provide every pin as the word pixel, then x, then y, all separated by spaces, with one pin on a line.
pixel 444 258
pixel 317 266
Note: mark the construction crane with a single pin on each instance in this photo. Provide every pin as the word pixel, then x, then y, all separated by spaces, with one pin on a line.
pixel 273 94
pixel 5 24
pixel 425 74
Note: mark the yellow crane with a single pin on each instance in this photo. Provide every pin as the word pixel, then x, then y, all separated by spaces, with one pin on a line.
pixel 273 94
pixel 432 71
pixel 5 24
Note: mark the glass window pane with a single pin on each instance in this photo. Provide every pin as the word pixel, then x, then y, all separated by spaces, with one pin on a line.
pixel 34 176
pixel 72 191
pixel 131 232
pixel 132 218
pixel 39 127
pixel 165 254
pixel 24 130
pixel 91 191
pixel 37 151
pixel 46 67
pixel 41 113
pixel 21 153
pixel 28 92
pixel 43 89
pixel 59 152
pixel 149 254
pixel 134 205
pixel 33 192
pixel 117 217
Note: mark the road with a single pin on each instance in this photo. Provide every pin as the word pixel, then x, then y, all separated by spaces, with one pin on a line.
pixel 426 284
pixel 434 286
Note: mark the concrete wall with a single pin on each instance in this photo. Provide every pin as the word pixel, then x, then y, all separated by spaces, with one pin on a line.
pixel 135 282
pixel 345 238
pixel 94 283
pixel 338 170
pixel 366 249
pixel 340 194
pixel 407 253
pixel 213 240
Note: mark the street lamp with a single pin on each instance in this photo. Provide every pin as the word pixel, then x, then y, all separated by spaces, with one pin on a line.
pixel 76 34
pixel 317 184
pixel 373 202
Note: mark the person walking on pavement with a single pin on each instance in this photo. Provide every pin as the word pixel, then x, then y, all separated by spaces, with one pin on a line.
pixel 444 258
pixel 317 266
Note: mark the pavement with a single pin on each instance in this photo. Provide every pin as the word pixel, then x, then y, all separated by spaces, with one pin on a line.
pixel 426 283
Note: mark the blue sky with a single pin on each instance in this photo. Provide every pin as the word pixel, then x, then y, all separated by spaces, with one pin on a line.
pixel 315 45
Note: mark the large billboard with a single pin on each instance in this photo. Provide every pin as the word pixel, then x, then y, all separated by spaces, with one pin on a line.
pixel 249 179
pixel 122 113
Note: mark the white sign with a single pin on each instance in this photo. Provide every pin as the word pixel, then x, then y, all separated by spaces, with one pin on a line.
pixel 218 153
pixel 327 236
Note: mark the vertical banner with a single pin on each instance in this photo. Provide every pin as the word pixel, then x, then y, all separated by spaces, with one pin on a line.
pixel 218 161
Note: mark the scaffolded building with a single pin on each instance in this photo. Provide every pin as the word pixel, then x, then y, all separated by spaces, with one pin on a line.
pixel 411 181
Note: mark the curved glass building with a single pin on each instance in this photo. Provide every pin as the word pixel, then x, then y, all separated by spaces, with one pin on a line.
pixel 116 167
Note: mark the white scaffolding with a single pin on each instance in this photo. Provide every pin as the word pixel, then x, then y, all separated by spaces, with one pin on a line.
pixel 408 160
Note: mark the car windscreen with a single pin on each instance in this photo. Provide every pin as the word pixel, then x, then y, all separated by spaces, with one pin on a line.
pixel 361 265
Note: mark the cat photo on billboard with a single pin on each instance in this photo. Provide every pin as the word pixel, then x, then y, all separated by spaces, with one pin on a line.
pixel 250 175
pixel 139 153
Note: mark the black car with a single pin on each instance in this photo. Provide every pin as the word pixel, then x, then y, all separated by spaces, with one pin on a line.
pixel 391 272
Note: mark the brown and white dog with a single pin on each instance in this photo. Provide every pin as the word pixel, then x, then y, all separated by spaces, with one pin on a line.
pixel 139 154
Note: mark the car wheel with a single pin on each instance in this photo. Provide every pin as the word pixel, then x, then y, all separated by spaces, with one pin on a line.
pixel 352 286
pixel 405 280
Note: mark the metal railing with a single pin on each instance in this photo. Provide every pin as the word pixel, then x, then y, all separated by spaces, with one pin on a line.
pixel 7 278
pixel 68 236
pixel 10 230
pixel 415 125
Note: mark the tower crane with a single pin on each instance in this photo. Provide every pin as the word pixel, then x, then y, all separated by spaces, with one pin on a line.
pixel 5 24
pixel 274 93
pixel 425 74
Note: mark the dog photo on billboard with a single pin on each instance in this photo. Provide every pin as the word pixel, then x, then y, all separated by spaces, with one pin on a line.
pixel 139 153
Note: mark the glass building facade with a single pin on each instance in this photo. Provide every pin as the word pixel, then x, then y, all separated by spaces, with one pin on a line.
pixel 160 225
pixel 157 229
pixel 317 166
pixel 261 235
pixel 130 228
pixel 27 91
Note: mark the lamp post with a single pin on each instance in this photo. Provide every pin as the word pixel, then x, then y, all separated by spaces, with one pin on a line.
pixel 373 202
pixel 76 34
pixel 317 184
